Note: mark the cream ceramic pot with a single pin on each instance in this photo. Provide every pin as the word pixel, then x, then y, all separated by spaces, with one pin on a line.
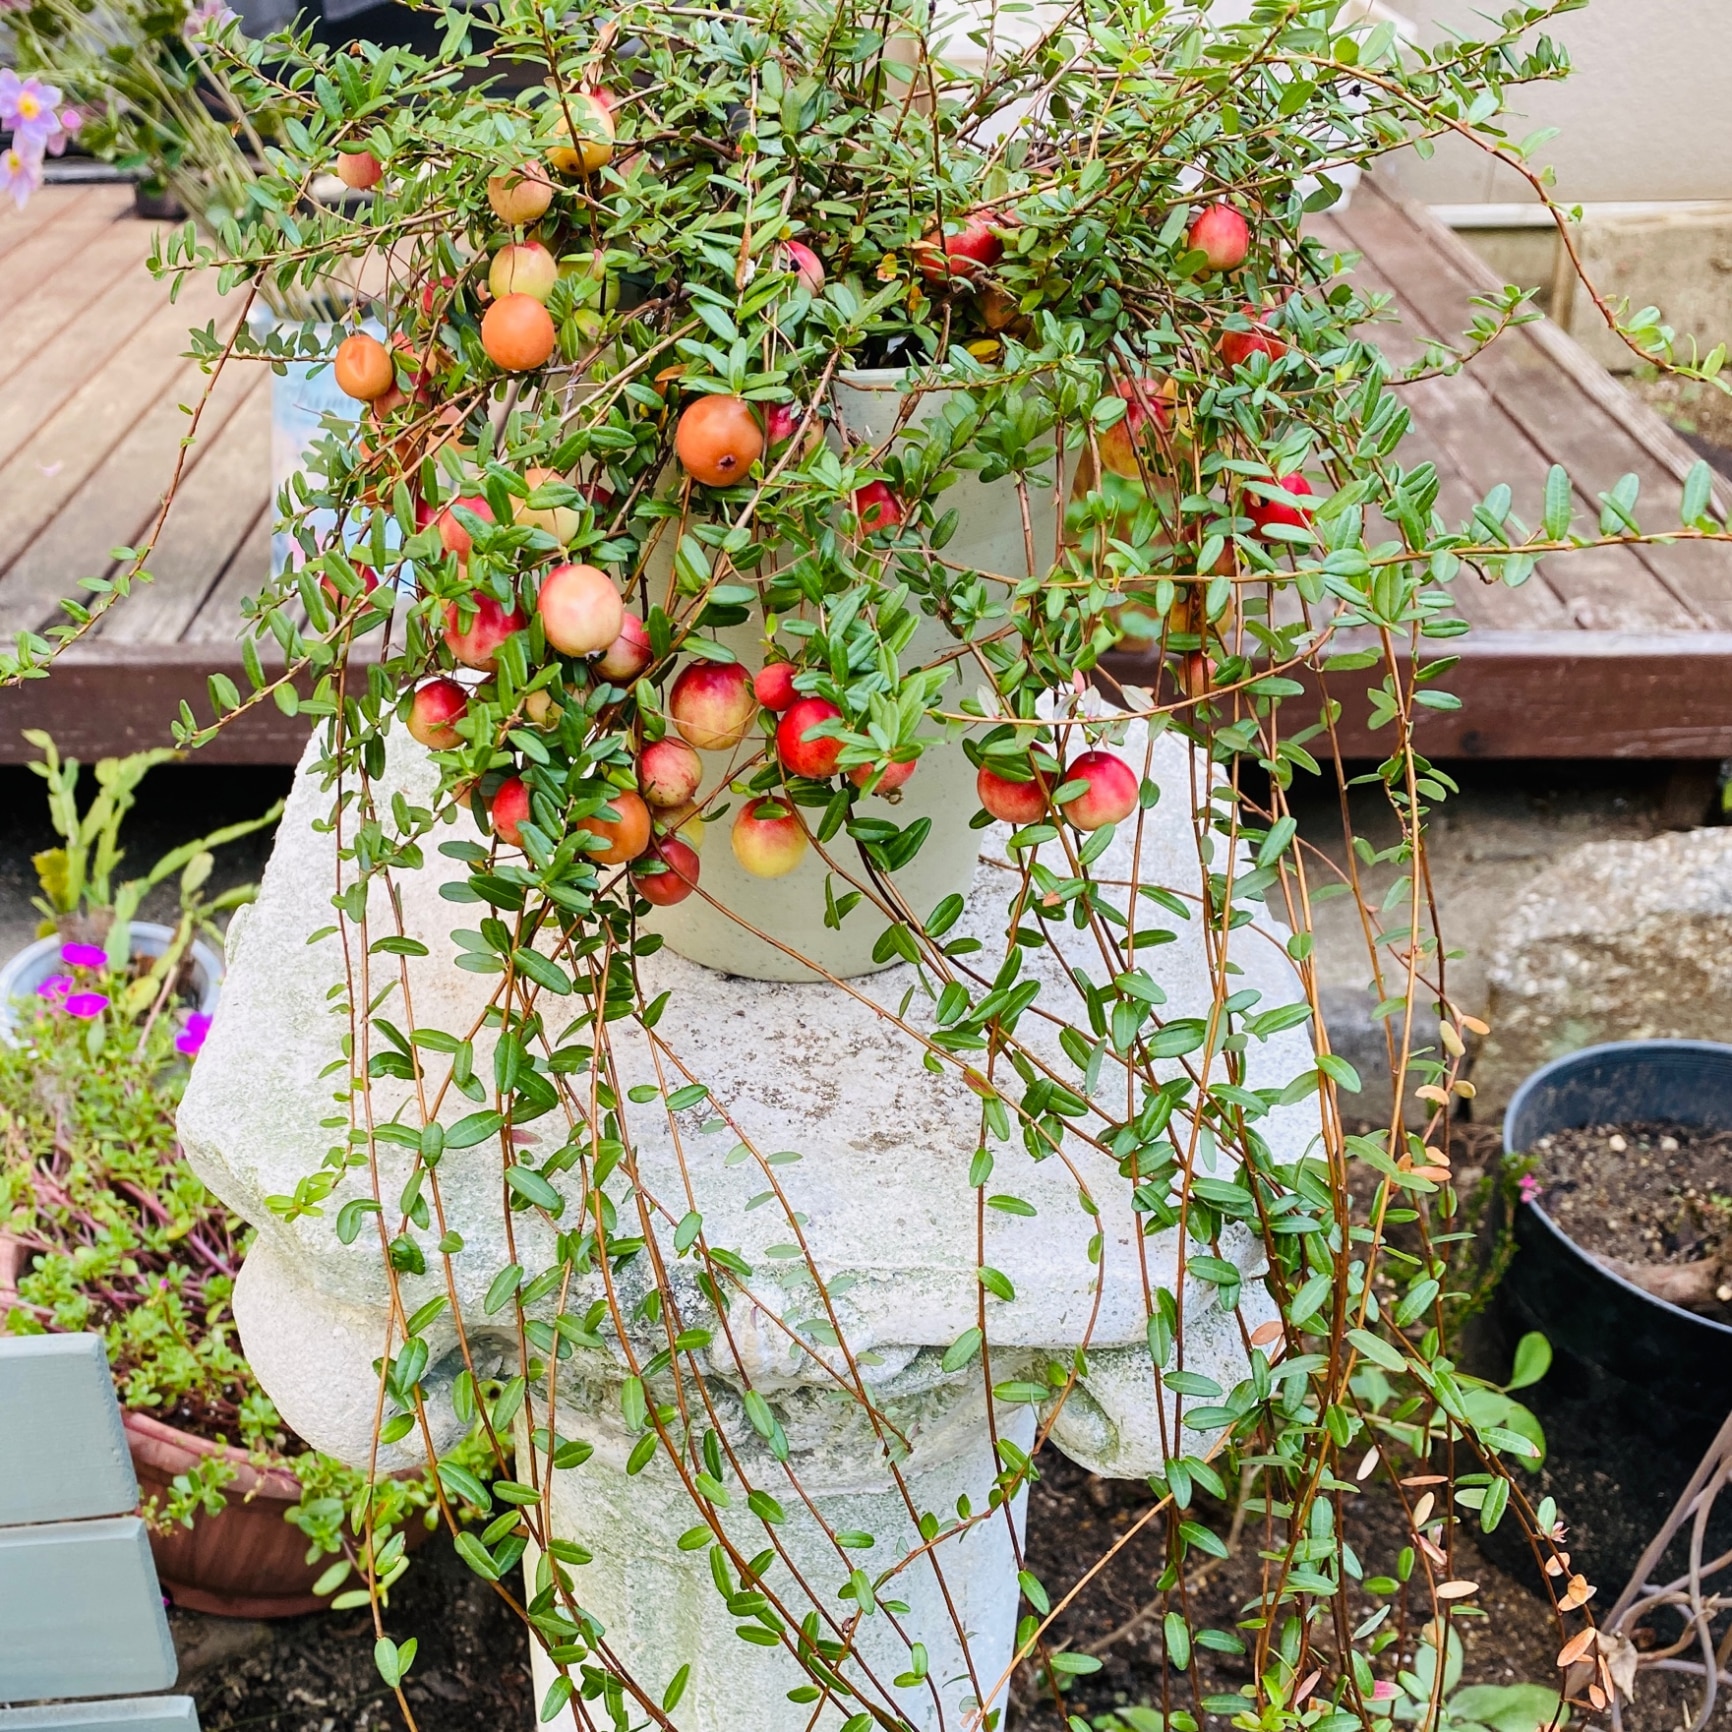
pixel 789 911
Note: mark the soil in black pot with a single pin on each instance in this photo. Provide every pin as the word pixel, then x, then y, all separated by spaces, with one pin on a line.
pixel 1653 1203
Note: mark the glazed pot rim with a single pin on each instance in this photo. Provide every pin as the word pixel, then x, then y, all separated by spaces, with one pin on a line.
pixel 278 1482
pixel 1612 1049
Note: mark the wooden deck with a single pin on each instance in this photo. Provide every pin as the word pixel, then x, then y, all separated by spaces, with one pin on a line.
pixel 1602 654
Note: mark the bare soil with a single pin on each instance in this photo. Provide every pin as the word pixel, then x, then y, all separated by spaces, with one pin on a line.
pixel 1510 1636
pixel 316 1674
pixel 1652 1202
pixel 471 1673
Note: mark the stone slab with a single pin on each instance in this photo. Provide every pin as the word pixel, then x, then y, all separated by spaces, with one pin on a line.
pixel 1616 941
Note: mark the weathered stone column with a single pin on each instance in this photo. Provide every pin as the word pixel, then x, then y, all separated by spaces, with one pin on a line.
pixel 823 1129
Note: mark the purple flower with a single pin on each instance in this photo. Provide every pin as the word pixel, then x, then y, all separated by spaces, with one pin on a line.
pixel 84 955
pixel 87 1004
pixel 56 986
pixel 31 109
pixel 27 105
pixel 20 174
pixel 192 1037
pixel 1529 1187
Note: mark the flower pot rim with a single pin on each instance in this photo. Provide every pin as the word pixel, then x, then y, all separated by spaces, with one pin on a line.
pixel 250 1479
pixel 15 969
pixel 1590 1267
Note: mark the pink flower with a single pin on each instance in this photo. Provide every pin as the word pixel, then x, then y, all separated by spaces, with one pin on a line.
pixel 20 174
pixel 206 15
pixel 56 986
pixel 84 955
pixel 192 1037
pixel 87 1004
pixel 67 122
pixel 1529 1187
pixel 1382 1691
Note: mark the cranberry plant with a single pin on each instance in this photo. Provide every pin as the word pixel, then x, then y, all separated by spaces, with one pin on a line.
pixel 609 269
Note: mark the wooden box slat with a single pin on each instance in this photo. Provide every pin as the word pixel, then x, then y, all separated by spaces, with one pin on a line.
pixel 138 1714
pixel 63 1453
pixel 81 1612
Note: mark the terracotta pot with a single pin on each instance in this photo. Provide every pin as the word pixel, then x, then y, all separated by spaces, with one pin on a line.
pixel 247 1562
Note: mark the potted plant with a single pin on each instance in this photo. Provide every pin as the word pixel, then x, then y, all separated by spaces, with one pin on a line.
pixel 1621 1223
pixel 104 1227
pixel 771 424
pixel 89 923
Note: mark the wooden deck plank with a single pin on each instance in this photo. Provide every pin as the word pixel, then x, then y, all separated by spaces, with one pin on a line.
pixel 1545 694
pixel 218 501
pixel 1538 386
pixel 218 620
pixel 1543 674
pixel 118 698
pixel 1459 421
pixel 1433 404
pixel 52 293
pixel 137 339
pixel 39 482
pixel 49 205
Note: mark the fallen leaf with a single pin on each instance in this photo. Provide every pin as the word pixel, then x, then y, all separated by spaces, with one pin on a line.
pixel 1456 1590
pixel 1369 1464
pixel 1577 1646
pixel 1423 1479
pixel 1580 1591
pixel 1423 1508
pixel 1619 1656
pixel 1306 1688
pixel 1264 1333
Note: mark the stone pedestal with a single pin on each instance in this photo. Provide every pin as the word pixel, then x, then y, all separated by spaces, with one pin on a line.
pixel 829 1104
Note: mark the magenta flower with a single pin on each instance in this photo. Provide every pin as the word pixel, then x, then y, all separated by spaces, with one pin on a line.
pixel 1529 1187
pixel 20 175
pixel 192 1037
pixel 84 955
pixel 56 986
pixel 86 1004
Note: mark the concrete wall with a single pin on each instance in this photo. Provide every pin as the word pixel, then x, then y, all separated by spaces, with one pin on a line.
pixel 1644 115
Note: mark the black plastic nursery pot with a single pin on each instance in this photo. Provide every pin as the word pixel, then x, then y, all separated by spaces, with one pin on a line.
pixel 1638 1387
